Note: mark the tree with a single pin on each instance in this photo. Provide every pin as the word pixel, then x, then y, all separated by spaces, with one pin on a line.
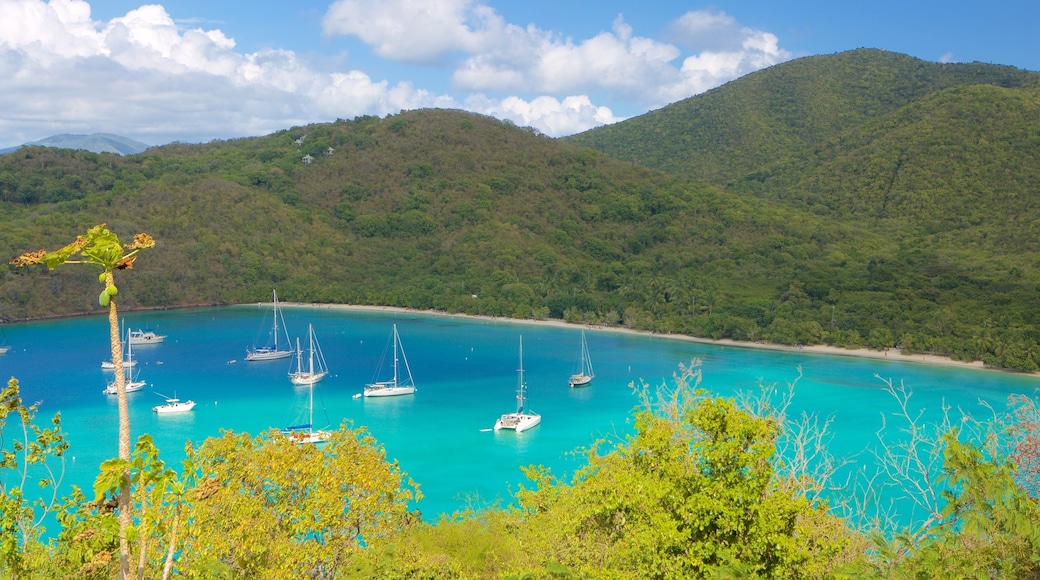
pixel 101 248
pixel 266 507
pixel 33 448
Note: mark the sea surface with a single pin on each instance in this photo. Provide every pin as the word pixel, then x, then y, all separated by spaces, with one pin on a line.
pixel 466 373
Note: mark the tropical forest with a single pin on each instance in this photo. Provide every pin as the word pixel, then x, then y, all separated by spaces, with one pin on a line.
pixel 864 199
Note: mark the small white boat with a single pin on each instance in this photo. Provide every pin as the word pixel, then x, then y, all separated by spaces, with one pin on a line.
pixel 4 349
pixel 316 368
pixel 398 385
pixel 520 420
pixel 145 337
pixel 273 351
pixel 111 366
pixel 174 405
pixel 585 373
pixel 130 380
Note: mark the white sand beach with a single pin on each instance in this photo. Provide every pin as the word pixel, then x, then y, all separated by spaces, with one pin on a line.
pixel 889 354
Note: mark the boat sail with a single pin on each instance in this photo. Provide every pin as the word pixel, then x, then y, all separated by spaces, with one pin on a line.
pixel 520 420
pixel 316 368
pixel 272 350
pixel 585 375
pixel 398 385
pixel 132 384
pixel 306 433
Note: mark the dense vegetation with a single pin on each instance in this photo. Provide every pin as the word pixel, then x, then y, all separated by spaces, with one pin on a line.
pixel 892 211
pixel 704 488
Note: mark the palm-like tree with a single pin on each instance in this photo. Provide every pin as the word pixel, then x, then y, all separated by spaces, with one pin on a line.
pixel 101 248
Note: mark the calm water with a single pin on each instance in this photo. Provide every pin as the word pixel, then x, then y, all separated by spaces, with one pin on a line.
pixel 466 375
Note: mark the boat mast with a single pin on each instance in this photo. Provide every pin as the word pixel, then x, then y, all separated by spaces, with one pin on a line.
pixel 310 364
pixel 395 355
pixel 275 292
pixel 520 384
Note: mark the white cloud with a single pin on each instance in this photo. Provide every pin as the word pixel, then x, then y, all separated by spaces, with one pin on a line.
pixel 414 30
pixel 148 76
pixel 947 58
pixel 500 57
pixel 547 114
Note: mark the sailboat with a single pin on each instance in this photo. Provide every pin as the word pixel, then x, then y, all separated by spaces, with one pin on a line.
pixel 111 365
pixel 131 384
pixel 316 368
pixel 519 421
pixel 272 350
pixel 4 347
pixel 306 434
pixel 585 375
pixel 398 385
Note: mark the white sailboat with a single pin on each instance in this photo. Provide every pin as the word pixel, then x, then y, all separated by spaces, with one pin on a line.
pixel 306 433
pixel 520 420
pixel 132 384
pixel 272 351
pixel 585 374
pixel 316 368
pixel 111 365
pixel 398 385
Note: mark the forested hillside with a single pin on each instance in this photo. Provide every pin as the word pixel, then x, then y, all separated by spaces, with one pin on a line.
pixel 785 110
pixel 842 243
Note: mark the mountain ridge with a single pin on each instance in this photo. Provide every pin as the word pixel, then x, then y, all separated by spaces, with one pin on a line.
pixel 95 143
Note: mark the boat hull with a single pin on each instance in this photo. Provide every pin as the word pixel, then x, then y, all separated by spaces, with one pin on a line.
pixel 143 337
pixel 518 422
pixel 174 408
pixel 261 355
pixel 111 366
pixel 131 386
pixel 304 379
pixel 387 390
pixel 580 380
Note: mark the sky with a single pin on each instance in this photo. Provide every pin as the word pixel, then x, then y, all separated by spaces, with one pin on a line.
pixel 194 71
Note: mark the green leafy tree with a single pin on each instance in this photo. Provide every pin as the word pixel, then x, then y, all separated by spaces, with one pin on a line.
pixel 266 507
pixel 102 249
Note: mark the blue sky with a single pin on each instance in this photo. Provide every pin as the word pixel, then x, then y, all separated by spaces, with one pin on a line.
pixel 193 71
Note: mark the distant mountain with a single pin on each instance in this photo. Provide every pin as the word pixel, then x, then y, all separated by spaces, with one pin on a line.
pixel 97 143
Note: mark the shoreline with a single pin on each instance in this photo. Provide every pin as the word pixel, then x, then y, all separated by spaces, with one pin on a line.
pixel 889 354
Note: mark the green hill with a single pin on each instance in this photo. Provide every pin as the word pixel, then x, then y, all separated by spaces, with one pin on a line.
pixel 782 111
pixel 458 212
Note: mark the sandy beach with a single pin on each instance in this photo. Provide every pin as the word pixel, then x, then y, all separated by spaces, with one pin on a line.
pixel 889 354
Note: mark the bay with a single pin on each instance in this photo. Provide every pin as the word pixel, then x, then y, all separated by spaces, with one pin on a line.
pixel 465 370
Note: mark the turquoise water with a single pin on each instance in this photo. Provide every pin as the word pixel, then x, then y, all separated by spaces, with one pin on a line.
pixel 465 370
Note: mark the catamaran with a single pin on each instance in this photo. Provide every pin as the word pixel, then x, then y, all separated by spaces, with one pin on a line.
pixel 520 420
pixel 585 374
pixel 272 351
pixel 306 433
pixel 316 368
pixel 398 385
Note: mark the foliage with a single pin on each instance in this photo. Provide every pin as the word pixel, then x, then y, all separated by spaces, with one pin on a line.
pixel 34 452
pixel 267 507
pixel 101 248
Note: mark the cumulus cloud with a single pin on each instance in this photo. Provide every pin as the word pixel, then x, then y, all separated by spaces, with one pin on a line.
pixel 151 77
pixel 496 56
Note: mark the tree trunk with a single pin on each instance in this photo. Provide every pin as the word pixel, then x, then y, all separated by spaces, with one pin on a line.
pixel 124 433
